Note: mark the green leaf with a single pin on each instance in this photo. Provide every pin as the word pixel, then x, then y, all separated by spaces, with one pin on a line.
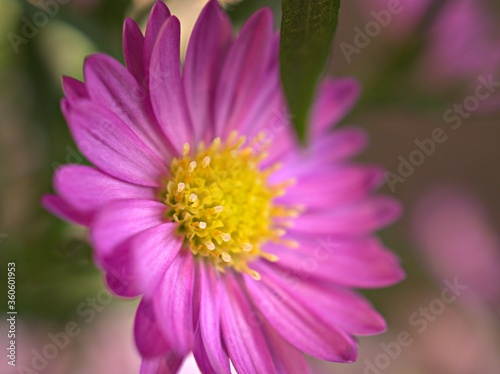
pixel 307 31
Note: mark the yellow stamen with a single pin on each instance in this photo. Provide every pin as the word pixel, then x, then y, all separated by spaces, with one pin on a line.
pixel 224 204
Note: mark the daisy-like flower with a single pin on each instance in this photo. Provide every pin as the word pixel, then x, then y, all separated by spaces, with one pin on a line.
pixel 243 246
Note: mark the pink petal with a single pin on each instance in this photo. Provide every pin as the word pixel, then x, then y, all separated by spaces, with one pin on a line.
pixel 347 311
pixel 87 189
pixel 113 87
pixel 112 146
pixel 133 49
pixel 242 332
pixel 148 337
pixel 323 152
pixel 121 276
pixel 305 327
pixel 350 220
pixel 153 251
pixel 351 263
pixel 58 206
pixel 165 364
pixel 208 351
pixel 334 100
pixel 245 70
pixel 287 358
pixel 157 18
pixel 121 220
pixel 166 89
pixel 209 42
pixel 173 302
pixel 73 88
pixel 328 188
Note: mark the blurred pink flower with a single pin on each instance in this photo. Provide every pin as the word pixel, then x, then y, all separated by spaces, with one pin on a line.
pixel 404 22
pixel 463 43
pixel 456 239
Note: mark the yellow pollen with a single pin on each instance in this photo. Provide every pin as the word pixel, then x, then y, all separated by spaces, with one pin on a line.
pixel 224 204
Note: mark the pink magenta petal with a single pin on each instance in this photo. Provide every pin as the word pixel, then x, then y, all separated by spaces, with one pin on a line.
pixel 113 87
pixel 173 301
pixel 350 220
pixel 121 220
pixel 153 251
pixel 266 111
pixel 242 332
pixel 74 89
pixel 287 358
pixel 305 327
pixel 133 49
pixel 351 263
pixel 166 89
pixel 148 338
pixel 157 18
pixel 208 351
pixel 62 209
pixel 209 42
pixel 245 70
pixel 88 189
pixel 340 308
pixel 327 188
pixel 335 99
pixel 323 153
pixel 169 363
pixel 111 145
pixel 121 276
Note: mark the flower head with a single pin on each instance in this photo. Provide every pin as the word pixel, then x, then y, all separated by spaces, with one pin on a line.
pixel 243 246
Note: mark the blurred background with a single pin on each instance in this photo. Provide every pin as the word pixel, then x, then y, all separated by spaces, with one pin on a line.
pixel 430 71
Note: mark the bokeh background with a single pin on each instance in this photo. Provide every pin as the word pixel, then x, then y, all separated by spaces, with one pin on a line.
pixel 427 67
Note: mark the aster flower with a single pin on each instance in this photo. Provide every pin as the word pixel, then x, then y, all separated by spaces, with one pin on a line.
pixel 243 246
pixel 456 239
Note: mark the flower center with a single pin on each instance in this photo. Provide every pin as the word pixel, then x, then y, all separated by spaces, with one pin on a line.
pixel 224 204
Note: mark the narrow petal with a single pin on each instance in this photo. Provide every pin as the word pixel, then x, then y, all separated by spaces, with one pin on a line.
pixel 168 363
pixel 335 98
pixel 350 220
pixel 113 87
pixel 133 49
pixel 208 351
pixel 74 89
pixel 157 18
pixel 111 145
pixel 148 337
pixel 121 276
pixel 87 189
pixel 173 303
pixel 209 42
pixel 166 89
pixel 324 152
pixel 287 358
pixel 121 220
pixel 305 328
pixel 60 207
pixel 347 311
pixel 153 251
pixel 243 334
pixel 245 70
pixel 327 188
pixel 360 263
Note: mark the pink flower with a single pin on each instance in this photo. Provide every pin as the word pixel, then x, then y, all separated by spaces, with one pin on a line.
pixel 463 42
pixel 243 246
pixel 401 17
pixel 456 240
